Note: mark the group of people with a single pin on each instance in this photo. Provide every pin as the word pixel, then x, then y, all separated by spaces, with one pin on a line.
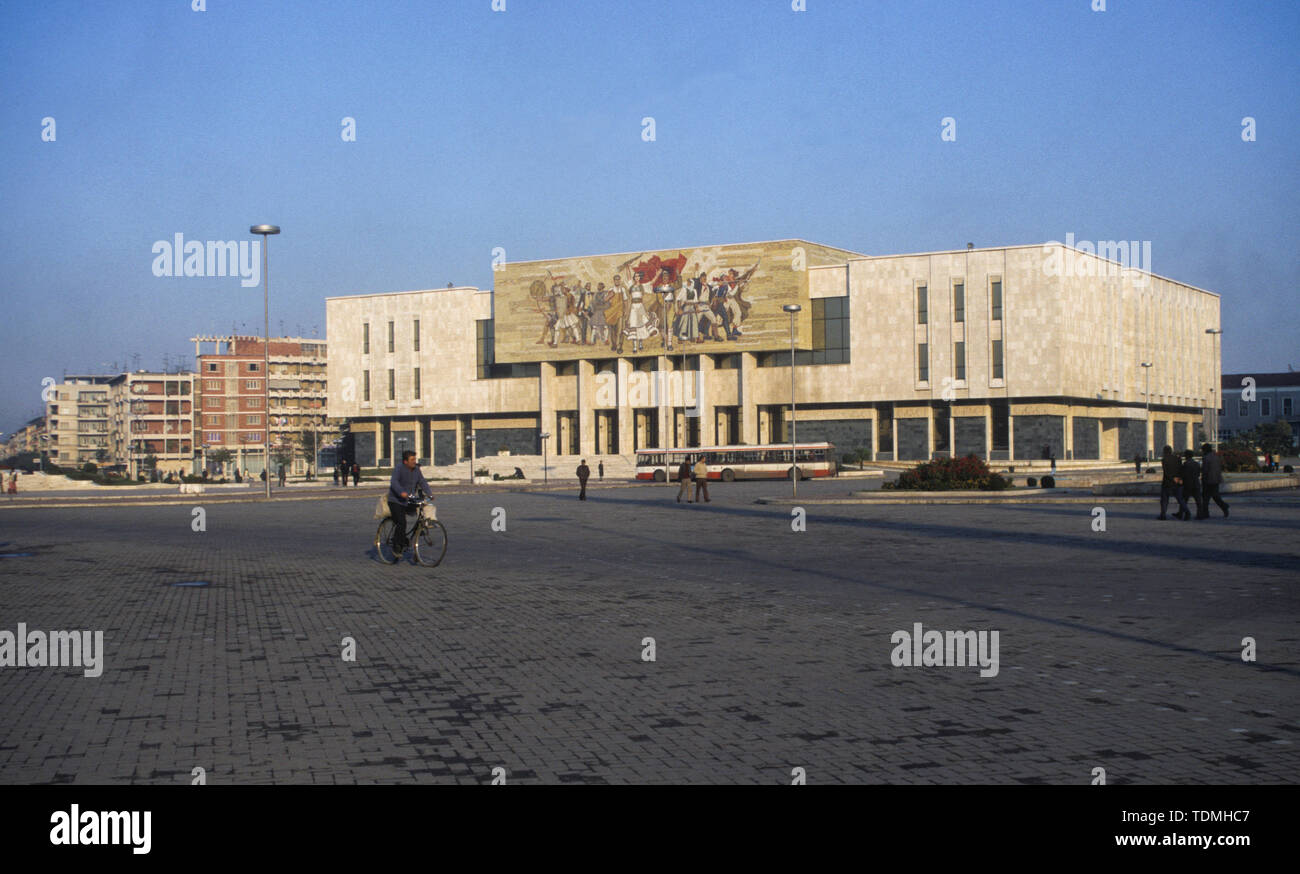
pixel 1185 480
pixel 700 474
pixel 344 470
pixel 655 300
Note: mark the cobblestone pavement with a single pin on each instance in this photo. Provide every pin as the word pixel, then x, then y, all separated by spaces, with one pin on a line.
pixel 1118 650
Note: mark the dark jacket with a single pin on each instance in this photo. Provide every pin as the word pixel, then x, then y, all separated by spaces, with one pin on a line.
pixel 684 471
pixel 409 481
pixel 1170 467
pixel 1212 469
pixel 1191 474
pixel 583 473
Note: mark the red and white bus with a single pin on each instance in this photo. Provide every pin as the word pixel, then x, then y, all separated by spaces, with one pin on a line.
pixel 728 463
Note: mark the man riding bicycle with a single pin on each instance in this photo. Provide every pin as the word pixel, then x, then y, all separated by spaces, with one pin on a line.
pixel 407 481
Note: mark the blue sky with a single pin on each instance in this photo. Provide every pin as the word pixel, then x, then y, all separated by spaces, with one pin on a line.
pixel 522 129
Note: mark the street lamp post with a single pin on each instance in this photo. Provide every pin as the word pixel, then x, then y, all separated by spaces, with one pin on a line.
pixel 266 232
pixel 473 436
pixel 1215 387
pixel 1146 368
pixel 544 437
pixel 792 308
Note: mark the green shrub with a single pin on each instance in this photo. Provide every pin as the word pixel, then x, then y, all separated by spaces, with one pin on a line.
pixel 1031 481
pixel 947 474
pixel 1239 460
pixel 89 467
pixel 1049 482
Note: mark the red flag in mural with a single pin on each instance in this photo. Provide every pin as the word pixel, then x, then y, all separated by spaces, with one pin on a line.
pixel 647 270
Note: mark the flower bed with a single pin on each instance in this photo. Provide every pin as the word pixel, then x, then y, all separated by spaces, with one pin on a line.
pixel 950 474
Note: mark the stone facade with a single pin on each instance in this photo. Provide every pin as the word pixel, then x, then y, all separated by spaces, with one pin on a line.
pixel 1032 433
pixel 969 436
pixel 1087 438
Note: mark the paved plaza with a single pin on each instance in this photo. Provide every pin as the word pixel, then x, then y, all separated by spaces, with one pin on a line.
pixel 772 647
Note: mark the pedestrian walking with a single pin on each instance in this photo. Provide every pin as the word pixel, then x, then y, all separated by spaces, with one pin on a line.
pixel 336 474
pixel 263 474
pixel 1191 475
pixel 356 475
pixel 583 473
pixel 1053 461
pixel 600 468
pixel 1211 479
pixel 701 475
pixel 684 477
pixel 238 477
pixel 1170 482
pixel 282 476
pixel 13 482
pixel 1137 464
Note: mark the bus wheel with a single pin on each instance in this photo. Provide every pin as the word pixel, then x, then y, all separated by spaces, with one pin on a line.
pixel 660 476
pixel 794 472
pixel 728 476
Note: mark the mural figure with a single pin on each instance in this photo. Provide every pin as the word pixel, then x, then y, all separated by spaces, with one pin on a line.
pixel 647 297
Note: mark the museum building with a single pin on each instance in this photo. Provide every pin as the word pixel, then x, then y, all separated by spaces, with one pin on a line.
pixel 1008 353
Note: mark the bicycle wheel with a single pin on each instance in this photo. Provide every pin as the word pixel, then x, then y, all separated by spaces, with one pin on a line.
pixel 384 542
pixel 431 544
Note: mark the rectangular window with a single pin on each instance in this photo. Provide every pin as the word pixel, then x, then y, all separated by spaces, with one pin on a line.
pixel 365 338
pixel 830 338
pixel 1287 407
pixel 365 386
pixel 254 367
pixel 214 437
pixel 254 403
pixel 922 305
pixel 959 358
pixel 253 384
pixel 212 367
pixel 253 420
pixel 1266 406
pixel 415 335
pixel 997 359
pixel 392 385
pixel 959 302
pixel 1243 409
pixel 995 295
pixel 390 336
pixel 1001 411
pixel 923 361
pixel 416 392
pixel 213 384
pixel 485 347
pixel 214 402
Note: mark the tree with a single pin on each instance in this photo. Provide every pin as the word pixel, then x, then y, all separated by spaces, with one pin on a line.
pixel 281 456
pixel 221 456
pixel 1275 437
pixel 101 455
pixel 150 461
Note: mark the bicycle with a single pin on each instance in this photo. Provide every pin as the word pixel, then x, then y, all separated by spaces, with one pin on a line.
pixel 428 536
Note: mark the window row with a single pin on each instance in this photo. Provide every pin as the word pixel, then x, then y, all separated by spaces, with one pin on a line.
pixel 392 336
pixel 959 361
pixel 958 301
